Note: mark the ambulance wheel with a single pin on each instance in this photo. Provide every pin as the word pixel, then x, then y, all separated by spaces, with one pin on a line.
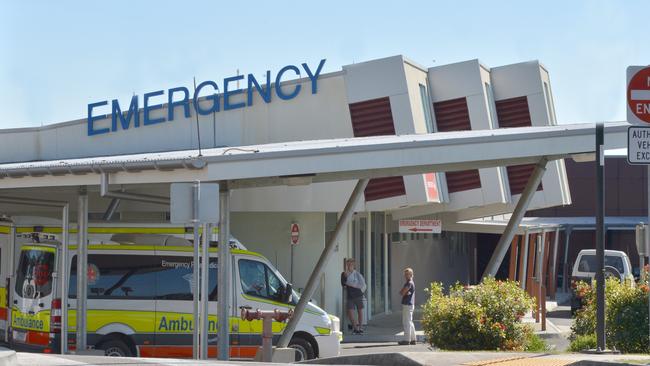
pixel 115 348
pixel 304 349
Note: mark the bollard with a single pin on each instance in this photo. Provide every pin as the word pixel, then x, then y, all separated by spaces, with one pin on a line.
pixel 267 317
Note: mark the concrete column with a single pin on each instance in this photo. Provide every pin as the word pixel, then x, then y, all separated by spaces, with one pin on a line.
pixel 64 276
pixel 224 278
pixel 195 272
pixel 82 269
pixel 205 289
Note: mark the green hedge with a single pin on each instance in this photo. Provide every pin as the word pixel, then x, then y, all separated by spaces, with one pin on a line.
pixel 484 317
pixel 626 317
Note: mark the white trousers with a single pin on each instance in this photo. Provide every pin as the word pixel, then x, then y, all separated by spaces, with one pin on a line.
pixel 407 321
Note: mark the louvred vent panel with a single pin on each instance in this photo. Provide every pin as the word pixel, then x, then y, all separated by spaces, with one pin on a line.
pixel 372 118
pixel 514 112
pixel 375 118
pixel 518 176
pixel 453 115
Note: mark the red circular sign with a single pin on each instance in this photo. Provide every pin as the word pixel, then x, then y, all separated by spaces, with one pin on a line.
pixel 638 94
pixel 295 234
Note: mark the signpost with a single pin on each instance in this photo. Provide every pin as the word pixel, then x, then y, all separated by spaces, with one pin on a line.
pixel 638 114
pixel 420 226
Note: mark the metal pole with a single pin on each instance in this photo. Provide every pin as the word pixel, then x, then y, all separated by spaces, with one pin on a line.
pixel 205 285
pixel 520 210
pixel 195 271
pixel 63 275
pixel 324 257
pixel 386 264
pixel 553 279
pixel 600 238
pixel 524 268
pixel 224 295
pixel 368 269
pixel 565 269
pixel 82 268
pixel 12 260
pixel 541 244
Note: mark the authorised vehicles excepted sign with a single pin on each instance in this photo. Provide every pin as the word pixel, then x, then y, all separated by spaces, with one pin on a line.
pixel 638 145
pixel 420 226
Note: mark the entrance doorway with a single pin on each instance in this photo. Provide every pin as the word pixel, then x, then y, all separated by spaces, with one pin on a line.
pixel 371 250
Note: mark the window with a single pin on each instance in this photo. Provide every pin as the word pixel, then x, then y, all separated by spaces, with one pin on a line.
pixel 588 263
pixel 257 279
pixel 491 106
pixel 113 276
pixel 34 275
pixel 175 278
pixel 426 108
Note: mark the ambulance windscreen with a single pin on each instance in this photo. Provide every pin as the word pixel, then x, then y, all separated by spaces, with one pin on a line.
pixel 34 274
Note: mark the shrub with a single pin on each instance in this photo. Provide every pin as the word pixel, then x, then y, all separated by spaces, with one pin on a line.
pixel 484 317
pixel 626 317
pixel 583 342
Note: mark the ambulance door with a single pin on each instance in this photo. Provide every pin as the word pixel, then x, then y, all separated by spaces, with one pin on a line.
pixel 258 288
pixel 174 306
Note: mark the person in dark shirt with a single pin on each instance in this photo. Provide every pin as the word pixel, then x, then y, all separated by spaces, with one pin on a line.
pixel 355 285
pixel 408 305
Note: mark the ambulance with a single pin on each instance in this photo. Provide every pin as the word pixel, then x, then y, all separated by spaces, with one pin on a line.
pixel 140 296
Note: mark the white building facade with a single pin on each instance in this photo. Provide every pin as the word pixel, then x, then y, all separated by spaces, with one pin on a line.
pixel 389 96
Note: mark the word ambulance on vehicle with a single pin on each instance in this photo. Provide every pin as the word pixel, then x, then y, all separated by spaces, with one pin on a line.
pixel 140 294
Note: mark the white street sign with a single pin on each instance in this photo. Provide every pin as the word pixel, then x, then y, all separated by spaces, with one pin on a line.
pixel 182 203
pixel 638 145
pixel 420 226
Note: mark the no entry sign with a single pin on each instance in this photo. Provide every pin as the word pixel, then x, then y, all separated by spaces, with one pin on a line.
pixel 638 94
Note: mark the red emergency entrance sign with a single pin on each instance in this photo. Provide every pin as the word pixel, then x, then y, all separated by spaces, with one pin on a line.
pixel 420 226
pixel 638 94
pixel 295 234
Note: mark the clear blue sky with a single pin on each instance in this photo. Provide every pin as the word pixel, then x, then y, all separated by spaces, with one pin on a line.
pixel 56 57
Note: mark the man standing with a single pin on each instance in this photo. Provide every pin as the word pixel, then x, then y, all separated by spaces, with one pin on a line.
pixel 355 285
pixel 408 305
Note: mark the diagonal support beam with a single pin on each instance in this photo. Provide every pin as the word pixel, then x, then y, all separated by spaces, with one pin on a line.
pixel 313 281
pixel 518 214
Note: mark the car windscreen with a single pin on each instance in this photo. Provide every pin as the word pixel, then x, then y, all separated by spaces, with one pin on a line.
pixel 588 263
pixel 34 274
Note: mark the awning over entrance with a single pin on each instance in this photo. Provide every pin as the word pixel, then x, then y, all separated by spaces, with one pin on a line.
pixel 304 162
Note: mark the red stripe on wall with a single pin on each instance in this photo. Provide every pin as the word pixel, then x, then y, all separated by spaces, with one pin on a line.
pixel 375 118
pixel 453 115
pixel 514 112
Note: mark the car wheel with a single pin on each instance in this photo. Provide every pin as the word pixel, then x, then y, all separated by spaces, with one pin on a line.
pixel 115 348
pixel 304 350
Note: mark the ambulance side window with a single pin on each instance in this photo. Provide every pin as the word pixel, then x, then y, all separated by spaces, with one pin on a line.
pixel 175 278
pixel 114 276
pixel 257 279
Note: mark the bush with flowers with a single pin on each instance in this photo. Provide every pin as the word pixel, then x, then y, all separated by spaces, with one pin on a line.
pixel 483 317
pixel 626 316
